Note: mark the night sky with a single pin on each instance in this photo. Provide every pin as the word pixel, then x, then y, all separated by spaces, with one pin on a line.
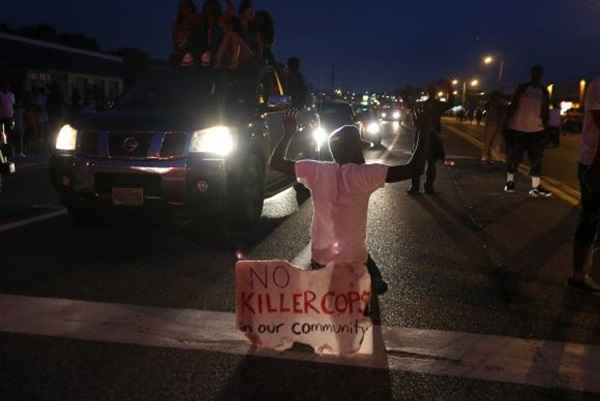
pixel 374 44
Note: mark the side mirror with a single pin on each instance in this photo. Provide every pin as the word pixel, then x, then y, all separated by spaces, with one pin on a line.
pixel 279 102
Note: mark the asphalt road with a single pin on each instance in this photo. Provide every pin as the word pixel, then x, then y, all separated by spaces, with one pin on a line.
pixel 440 266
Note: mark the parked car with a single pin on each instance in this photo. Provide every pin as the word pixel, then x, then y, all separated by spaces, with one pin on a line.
pixel 177 143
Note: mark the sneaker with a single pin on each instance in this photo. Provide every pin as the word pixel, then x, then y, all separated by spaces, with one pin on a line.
pixel 509 187
pixel 586 284
pixel 540 192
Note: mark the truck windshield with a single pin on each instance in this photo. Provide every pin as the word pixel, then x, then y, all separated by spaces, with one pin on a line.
pixel 174 93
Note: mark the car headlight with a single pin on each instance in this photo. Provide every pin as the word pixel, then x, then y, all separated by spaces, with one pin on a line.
pixel 373 129
pixel 320 136
pixel 396 115
pixel 383 115
pixel 67 138
pixel 217 140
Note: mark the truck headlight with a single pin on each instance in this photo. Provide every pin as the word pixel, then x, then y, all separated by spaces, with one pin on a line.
pixel 217 140
pixel 373 129
pixel 396 115
pixel 320 136
pixel 67 138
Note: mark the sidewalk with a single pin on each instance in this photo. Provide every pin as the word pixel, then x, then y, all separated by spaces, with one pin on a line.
pixel 560 164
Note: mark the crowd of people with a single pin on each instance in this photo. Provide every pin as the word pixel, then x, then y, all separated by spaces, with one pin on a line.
pixel 27 118
pixel 222 38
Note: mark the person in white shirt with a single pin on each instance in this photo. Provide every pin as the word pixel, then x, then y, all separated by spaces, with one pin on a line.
pixel 589 178
pixel 527 121
pixel 341 192
pixel 554 125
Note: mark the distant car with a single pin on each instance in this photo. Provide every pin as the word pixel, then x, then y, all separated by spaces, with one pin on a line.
pixel 370 128
pixel 335 114
pixel 391 113
pixel 573 120
pixel 175 143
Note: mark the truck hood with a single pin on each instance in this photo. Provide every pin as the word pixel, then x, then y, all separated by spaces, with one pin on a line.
pixel 147 121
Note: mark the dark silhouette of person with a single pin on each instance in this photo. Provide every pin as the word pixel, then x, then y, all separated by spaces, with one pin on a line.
pixel 429 122
pixel 296 84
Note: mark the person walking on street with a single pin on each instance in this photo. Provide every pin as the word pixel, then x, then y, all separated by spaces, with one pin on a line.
pixel 429 122
pixel 554 125
pixel 478 116
pixel 589 178
pixel 340 192
pixel 527 121
pixel 494 121
pixel 7 114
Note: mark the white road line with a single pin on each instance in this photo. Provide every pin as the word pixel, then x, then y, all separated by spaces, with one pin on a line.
pixel 36 219
pixel 491 358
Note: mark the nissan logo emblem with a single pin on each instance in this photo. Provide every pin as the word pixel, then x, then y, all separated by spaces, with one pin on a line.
pixel 130 144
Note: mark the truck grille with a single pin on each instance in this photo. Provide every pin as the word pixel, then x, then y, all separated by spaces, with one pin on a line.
pixel 121 145
pixel 105 182
pixel 87 143
pixel 174 145
pixel 132 145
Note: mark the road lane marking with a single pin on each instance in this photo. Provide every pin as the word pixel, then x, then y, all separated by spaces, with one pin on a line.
pixel 36 219
pixel 538 363
pixel 558 188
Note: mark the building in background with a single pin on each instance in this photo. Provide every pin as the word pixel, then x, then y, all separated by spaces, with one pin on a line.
pixel 82 75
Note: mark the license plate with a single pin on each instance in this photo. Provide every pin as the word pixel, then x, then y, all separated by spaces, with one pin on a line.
pixel 128 196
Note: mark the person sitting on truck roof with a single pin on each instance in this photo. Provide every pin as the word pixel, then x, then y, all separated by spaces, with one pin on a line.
pixel 186 22
pixel 233 51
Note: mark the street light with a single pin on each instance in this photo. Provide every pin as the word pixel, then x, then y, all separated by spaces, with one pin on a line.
pixel 489 60
pixel 455 82
pixel 474 83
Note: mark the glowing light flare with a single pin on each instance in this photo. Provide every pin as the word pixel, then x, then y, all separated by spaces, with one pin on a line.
pixel 67 138
pixel 474 83
pixel 373 128
pixel 217 140
pixel 320 136
pixel 488 60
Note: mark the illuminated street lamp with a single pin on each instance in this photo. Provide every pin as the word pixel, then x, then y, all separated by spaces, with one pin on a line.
pixel 455 82
pixel 474 83
pixel 489 60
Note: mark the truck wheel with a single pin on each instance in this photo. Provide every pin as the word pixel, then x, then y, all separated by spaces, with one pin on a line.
pixel 248 192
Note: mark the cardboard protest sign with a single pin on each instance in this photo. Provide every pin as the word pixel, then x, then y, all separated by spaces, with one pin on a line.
pixel 278 305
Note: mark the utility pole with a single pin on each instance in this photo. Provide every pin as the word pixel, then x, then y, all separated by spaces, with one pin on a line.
pixel 333 77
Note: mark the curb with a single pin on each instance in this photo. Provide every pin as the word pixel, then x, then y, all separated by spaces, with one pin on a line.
pixel 562 191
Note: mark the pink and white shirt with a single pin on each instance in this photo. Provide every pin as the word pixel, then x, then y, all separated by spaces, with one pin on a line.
pixel 340 201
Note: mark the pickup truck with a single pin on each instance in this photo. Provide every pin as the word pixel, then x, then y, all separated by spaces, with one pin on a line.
pixel 182 142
